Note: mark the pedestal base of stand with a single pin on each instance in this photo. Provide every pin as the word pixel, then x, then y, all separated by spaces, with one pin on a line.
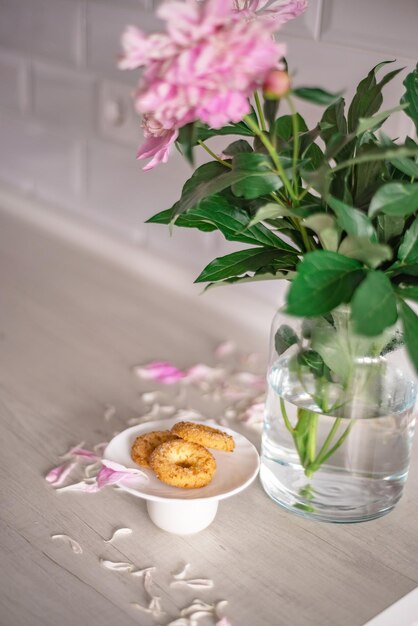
pixel 182 517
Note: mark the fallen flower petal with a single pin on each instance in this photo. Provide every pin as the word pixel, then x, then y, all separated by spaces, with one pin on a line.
pixel 223 622
pixel 182 573
pixel 194 583
pixel 118 532
pixel 142 572
pixel 59 474
pixel 161 371
pixel 117 566
pixel 74 545
pixel 82 486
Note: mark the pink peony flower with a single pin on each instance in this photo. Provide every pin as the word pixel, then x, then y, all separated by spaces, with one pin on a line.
pixel 204 68
pixel 278 10
pixel 158 142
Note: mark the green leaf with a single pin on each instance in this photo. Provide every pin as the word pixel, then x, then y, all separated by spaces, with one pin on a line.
pixel 283 127
pixel 333 121
pixel 367 176
pixel 408 250
pixel 243 261
pixel 389 226
pixel 395 199
pixel 186 220
pixel 373 306
pixel 312 360
pixel 256 175
pixel 187 140
pixel 247 278
pixel 324 225
pixel 408 292
pixel 237 147
pixel 350 219
pixel 410 326
pixel 284 338
pixel 269 211
pixel 379 154
pixel 270 108
pixel 324 280
pixel 406 166
pixel 411 96
pixel 374 122
pixel 204 132
pixel 217 213
pixel 316 95
pixel 234 224
pixel 362 249
pixel 368 98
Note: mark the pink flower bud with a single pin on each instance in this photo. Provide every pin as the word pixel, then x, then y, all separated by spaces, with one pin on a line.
pixel 276 85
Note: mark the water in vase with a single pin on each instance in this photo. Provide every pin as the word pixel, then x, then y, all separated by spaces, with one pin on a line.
pixel 344 458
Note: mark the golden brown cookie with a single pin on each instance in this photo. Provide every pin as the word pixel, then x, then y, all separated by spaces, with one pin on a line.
pixel 144 445
pixel 204 435
pixel 183 464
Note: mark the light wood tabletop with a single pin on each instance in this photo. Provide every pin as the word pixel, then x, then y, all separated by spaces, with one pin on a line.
pixel 72 326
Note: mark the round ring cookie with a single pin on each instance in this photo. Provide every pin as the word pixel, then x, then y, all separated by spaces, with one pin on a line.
pixel 145 444
pixel 204 435
pixel 183 464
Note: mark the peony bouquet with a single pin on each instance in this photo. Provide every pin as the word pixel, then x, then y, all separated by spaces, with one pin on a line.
pixel 333 209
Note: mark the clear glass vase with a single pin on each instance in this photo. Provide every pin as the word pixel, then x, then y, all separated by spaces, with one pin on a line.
pixel 339 418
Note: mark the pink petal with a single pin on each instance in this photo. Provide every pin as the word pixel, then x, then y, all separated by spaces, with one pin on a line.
pixel 158 148
pixel 58 475
pixel 224 622
pixel 87 454
pixel 81 487
pixel 161 371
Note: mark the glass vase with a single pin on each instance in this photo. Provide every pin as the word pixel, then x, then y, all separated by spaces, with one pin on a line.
pixel 339 418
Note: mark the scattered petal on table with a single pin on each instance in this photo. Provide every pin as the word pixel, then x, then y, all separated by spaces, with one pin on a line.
pixel 225 349
pixel 224 622
pixel 197 605
pixel 82 486
pixel 90 471
pixel 155 606
pixel 181 621
pixel 220 606
pixel 140 607
pixel 141 572
pixel 194 583
pixel 74 545
pixel 58 475
pixel 119 532
pixel 82 452
pixel 161 371
pixel 117 566
pixel 99 447
pixel 254 414
pixel 180 575
pixel 112 473
pixel 110 412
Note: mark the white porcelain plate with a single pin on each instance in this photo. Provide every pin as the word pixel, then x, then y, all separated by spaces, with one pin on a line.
pixel 234 470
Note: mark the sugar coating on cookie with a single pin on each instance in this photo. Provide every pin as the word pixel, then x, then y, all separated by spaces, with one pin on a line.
pixel 183 464
pixel 204 435
pixel 144 445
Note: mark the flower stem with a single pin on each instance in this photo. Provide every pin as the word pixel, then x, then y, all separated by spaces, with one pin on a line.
pixel 213 155
pixel 260 111
pixel 273 154
pixel 295 125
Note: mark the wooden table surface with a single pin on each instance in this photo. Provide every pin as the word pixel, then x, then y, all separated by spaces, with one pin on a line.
pixel 71 328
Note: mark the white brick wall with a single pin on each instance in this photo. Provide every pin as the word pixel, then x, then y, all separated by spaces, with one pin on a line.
pixel 68 131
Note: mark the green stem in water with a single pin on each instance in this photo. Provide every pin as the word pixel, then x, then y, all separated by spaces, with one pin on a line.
pixel 260 111
pixel 213 155
pixel 273 154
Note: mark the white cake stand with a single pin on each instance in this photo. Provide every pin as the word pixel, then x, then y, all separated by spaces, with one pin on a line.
pixel 185 511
